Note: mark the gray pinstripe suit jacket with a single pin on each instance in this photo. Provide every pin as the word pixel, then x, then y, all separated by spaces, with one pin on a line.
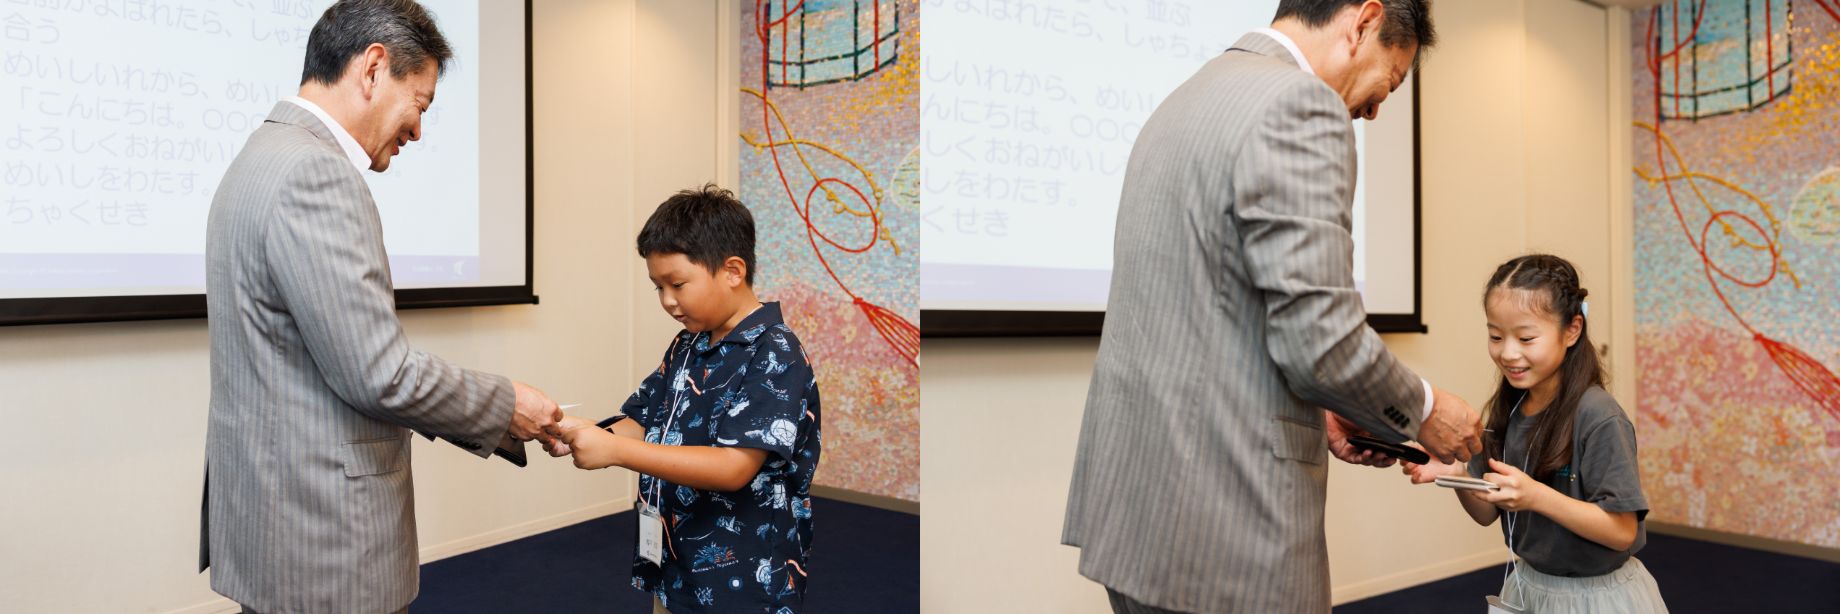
pixel 308 503
pixel 1233 319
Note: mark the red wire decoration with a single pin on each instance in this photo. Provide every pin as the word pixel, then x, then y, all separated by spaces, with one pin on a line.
pixel 1807 373
pixel 901 335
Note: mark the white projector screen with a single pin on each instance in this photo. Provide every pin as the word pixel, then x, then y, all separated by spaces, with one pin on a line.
pixel 120 118
pixel 1028 118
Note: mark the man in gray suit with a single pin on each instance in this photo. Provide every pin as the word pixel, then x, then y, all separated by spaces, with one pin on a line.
pixel 308 503
pixel 1234 322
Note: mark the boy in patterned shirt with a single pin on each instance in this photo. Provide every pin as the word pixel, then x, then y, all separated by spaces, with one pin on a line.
pixel 724 434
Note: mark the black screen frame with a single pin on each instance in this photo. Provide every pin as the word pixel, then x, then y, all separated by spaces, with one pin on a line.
pixel 946 323
pixel 88 309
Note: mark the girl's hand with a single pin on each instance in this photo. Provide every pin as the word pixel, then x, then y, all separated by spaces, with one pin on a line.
pixel 1429 472
pixel 1519 491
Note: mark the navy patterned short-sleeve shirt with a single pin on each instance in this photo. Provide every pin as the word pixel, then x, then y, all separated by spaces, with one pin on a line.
pixel 741 551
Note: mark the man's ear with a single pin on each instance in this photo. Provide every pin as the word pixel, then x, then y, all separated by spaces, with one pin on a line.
pixel 371 65
pixel 1369 18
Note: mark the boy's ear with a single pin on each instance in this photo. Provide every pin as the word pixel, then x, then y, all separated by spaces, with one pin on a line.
pixel 734 271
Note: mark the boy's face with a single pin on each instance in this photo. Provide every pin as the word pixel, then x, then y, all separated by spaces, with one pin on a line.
pixel 701 300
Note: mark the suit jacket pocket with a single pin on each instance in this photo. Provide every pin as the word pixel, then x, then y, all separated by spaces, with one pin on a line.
pixel 374 456
pixel 1298 440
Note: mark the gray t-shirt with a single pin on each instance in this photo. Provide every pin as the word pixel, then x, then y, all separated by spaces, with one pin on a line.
pixel 1602 471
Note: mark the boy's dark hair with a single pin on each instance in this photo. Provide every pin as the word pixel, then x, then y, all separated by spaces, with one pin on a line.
pixel 1553 283
pixel 708 225
pixel 348 27
pixel 1407 21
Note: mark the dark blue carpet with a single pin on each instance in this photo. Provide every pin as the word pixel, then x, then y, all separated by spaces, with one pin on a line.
pixel 1695 576
pixel 863 559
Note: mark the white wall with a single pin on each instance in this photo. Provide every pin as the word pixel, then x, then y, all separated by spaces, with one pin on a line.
pixel 1515 156
pixel 102 482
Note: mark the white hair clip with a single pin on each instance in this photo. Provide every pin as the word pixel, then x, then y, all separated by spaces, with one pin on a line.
pixel 1584 308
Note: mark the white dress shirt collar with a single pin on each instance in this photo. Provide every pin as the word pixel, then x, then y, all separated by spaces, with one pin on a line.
pixel 1289 45
pixel 352 149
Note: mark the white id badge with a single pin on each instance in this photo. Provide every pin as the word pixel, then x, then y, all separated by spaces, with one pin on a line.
pixel 651 535
pixel 1497 607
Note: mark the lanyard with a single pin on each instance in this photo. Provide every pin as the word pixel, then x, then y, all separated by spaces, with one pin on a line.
pixel 677 395
pixel 1508 518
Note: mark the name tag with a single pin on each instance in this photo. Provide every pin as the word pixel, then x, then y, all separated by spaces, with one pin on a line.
pixel 651 535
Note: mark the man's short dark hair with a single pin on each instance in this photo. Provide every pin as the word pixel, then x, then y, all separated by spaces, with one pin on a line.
pixel 708 225
pixel 1407 21
pixel 349 27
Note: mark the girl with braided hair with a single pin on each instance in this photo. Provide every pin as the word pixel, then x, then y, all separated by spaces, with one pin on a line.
pixel 1559 451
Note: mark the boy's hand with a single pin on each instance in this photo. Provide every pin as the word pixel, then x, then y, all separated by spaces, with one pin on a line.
pixel 559 447
pixel 1519 491
pixel 592 447
pixel 1429 472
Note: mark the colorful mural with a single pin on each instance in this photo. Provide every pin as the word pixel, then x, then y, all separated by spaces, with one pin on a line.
pixel 830 126
pixel 1737 196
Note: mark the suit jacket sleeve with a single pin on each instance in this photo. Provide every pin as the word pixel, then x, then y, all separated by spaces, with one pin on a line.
pixel 1292 185
pixel 325 251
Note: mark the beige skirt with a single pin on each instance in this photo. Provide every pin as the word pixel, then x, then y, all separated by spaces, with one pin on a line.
pixel 1628 590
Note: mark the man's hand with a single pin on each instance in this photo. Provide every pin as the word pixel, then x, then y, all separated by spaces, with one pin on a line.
pixel 1451 432
pixel 1339 430
pixel 535 417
